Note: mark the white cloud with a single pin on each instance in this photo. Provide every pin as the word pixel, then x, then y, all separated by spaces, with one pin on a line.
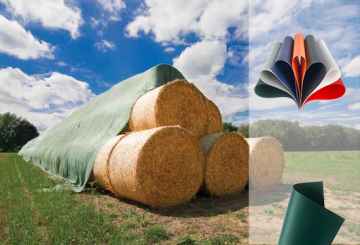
pixel 201 63
pixel 50 13
pixel 169 49
pixel 105 45
pixel 44 100
pixel 355 106
pixel 208 19
pixel 61 64
pixel 352 69
pixel 16 41
pixel 113 7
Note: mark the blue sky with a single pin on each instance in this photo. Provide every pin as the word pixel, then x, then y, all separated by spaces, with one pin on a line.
pixel 57 55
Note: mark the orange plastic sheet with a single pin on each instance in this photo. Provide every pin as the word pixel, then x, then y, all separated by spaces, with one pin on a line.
pixel 299 61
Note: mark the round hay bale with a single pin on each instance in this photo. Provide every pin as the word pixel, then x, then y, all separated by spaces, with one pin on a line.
pixel 175 103
pixel 215 120
pixel 159 167
pixel 226 163
pixel 100 171
pixel 266 162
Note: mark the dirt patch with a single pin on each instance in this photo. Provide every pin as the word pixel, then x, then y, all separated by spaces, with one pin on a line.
pixel 202 218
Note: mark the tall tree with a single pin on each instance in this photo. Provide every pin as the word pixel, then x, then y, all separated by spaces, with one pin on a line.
pixel 15 132
pixel 229 127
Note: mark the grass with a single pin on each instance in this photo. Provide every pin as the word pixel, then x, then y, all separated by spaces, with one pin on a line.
pixel 241 216
pixel 56 217
pixel 340 170
pixel 156 234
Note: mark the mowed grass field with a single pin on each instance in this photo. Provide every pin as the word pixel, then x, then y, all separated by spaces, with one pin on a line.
pixel 31 213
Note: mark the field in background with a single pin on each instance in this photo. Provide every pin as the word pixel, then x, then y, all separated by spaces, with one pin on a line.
pixel 340 173
pixel 29 212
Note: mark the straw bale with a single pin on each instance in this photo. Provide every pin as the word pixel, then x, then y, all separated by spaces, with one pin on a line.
pixel 226 163
pixel 175 103
pixel 215 120
pixel 159 167
pixel 100 171
pixel 266 162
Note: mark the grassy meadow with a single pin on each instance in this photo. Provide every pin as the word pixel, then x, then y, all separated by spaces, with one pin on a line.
pixel 32 213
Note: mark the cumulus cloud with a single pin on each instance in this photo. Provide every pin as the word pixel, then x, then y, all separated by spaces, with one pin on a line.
pixel 352 69
pixel 207 19
pixel 201 63
pixel 355 106
pixel 16 41
pixel 105 45
pixel 43 99
pixel 51 14
pixel 113 7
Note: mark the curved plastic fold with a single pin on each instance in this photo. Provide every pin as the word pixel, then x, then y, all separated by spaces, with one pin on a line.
pixel 283 66
pixel 307 221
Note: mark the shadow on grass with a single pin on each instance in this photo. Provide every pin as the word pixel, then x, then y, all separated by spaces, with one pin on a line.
pixel 201 206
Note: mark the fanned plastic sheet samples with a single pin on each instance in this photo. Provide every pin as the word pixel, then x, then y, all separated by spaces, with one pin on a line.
pixel 307 221
pixel 302 70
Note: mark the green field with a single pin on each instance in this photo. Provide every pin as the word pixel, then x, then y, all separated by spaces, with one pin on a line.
pixel 30 213
pixel 340 170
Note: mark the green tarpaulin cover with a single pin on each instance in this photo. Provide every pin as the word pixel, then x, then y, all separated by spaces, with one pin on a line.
pixel 307 221
pixel 68 150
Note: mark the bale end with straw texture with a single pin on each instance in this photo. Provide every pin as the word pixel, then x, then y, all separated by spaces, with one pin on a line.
pixel 226 163
pixel 159 167
pixel 175 103
pixel 266 162
pixel 100 171
pixel 215 120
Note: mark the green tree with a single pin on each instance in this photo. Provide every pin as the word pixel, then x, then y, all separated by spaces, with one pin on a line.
pixel 15 132
pixel 244 130
pixel 229 127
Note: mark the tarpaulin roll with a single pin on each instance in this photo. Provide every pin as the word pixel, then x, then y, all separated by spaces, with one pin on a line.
pixel 315 71
pixel 68 150
pixel 283 66
pixel 307 221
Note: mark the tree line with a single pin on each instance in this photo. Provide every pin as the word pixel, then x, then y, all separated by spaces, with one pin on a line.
pixel 15 132
pixel 293 137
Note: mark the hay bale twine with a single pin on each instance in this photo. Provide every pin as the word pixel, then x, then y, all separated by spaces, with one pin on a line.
pixel 100 171
pixel 215 120
pixel 266 162
pixel 175 103
pixel 159 167
pixel 226 163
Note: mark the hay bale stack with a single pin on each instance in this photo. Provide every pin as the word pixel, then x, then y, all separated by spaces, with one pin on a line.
pixel 214 117
pixel 226 163
pixel 159 167
pixel 266 162
pixel 175 103
pixel 100 171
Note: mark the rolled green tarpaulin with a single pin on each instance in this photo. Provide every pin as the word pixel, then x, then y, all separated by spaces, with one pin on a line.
pixel 307 221
pixel 69 148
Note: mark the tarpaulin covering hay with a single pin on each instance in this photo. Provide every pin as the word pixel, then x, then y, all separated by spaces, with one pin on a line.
pixel 175 103
pixel 68 150
pixel 226 163
pixel 215 120
pixel 159 167
pixel 266 162
pixel 101 167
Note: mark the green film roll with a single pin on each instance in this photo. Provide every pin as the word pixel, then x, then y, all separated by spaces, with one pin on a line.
pixel 307 221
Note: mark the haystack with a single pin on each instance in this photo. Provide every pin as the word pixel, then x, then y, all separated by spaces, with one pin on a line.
pixel 159 167
pixel 266 162
pixel 175 103
pixel 226 163
pixel 101 168
pixel 214 118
